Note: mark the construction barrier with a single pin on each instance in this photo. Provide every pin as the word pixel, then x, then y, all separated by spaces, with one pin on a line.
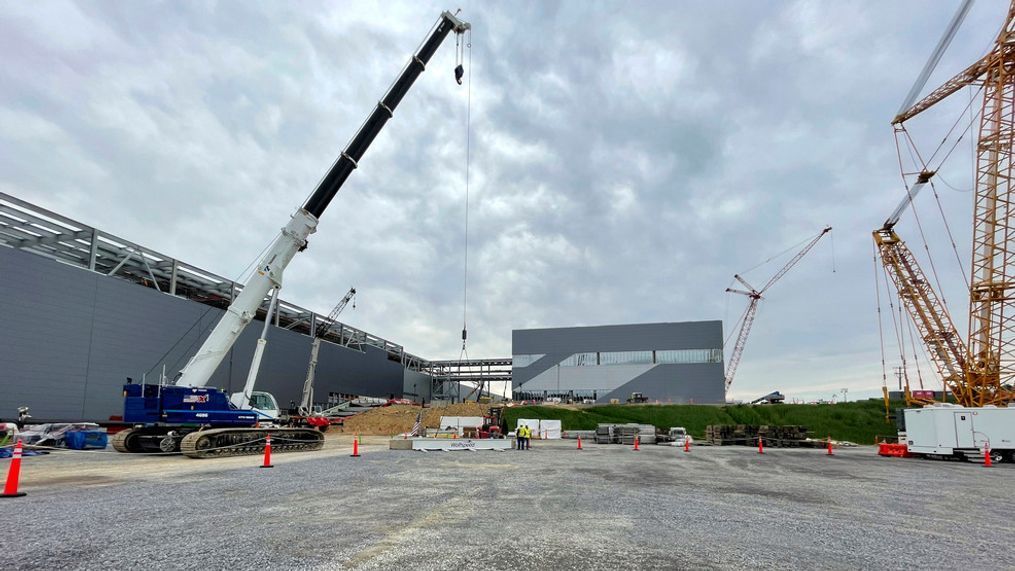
pixel 267 452
pixel 893 450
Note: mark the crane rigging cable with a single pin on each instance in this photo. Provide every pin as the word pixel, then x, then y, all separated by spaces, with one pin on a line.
pixel 925 176
pixel 461 45
pixel 881 333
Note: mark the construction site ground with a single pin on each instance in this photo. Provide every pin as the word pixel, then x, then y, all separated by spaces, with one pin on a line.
pixel 606 507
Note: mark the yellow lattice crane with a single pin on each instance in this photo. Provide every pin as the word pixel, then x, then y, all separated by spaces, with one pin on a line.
pixel 983 372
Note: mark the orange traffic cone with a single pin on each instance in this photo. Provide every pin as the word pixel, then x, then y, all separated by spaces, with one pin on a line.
pixel 687 444
pixel 761 446
pixel 637 440
pixel 579 442
pixel 11 487
pixel 267 452
pixel 986 458
pixel 355 447
pixel 830 445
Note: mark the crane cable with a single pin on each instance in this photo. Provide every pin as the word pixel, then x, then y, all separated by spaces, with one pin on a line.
pixel 881 332
pixel 461 44
pixel 916 216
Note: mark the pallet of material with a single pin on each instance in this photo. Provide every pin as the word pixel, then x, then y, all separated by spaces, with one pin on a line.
pixel 788 436
pixel 625 433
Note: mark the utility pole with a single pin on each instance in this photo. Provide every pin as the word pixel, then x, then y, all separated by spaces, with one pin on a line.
pixel 899 373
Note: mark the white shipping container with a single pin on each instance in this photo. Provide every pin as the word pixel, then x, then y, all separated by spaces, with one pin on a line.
pixel 945 429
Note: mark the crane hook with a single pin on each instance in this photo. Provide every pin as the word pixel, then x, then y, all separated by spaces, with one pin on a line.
pixel 459 73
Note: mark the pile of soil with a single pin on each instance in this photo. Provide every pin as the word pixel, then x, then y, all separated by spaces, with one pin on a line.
pixel 399 418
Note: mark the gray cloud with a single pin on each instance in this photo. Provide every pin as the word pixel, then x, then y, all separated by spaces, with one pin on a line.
pixel 627 158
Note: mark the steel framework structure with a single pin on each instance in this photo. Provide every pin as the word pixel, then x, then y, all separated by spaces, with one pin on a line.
pixel 447 376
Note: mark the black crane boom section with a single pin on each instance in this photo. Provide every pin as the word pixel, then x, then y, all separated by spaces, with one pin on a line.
pixel 350 157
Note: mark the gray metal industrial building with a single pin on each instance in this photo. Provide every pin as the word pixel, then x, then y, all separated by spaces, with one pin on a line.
pixel 667 362
pixel 81 310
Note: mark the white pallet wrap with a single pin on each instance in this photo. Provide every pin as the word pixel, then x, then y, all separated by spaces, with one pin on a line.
pixel 549 429
pixel 532 423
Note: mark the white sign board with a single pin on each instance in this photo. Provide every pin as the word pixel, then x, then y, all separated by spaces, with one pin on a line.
pixel 460 422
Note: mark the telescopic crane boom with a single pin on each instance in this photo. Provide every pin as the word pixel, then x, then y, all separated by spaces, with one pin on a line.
pixel 307 400
pixel 752 307
pixel 303 222
pixel 199 420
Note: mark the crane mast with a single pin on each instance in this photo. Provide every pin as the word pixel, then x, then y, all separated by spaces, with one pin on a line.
pixel 990 346
pixel 755 295
pixel 932 320
pixel 293 238
pixel 307 400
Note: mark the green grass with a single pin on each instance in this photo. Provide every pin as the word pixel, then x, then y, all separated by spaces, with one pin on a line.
pixel 858 422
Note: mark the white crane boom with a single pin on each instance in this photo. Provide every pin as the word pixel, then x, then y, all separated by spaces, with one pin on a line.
pixel 202 365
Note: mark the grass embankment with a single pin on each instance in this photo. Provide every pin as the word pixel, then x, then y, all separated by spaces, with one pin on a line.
pixel 858 422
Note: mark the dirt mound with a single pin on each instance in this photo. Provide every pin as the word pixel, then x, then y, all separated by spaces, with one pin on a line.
pixel 395 419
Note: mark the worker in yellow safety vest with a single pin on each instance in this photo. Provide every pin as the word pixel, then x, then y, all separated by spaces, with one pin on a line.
pixel 522 436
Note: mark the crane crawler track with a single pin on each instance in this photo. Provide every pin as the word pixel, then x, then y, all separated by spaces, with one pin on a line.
pixel 221 442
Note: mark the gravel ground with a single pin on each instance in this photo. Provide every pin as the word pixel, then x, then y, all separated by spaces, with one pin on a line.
pixel 606 507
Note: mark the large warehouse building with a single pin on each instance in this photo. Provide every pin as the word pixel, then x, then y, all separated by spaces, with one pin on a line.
pixel 82 310
pixel 666 362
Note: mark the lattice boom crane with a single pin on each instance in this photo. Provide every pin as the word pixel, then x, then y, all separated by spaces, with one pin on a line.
pixel 990 347
pixel 755 296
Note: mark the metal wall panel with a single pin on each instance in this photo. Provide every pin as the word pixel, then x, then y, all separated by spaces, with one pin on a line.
pixel 633 337
pixel 678 383
pixel 69 338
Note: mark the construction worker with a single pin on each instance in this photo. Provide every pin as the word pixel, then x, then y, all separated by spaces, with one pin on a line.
pixel 523 435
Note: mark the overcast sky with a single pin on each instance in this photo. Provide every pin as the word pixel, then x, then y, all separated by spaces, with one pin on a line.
pixel 627 159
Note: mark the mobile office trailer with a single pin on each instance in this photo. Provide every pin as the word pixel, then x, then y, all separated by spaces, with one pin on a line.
pixel 949 430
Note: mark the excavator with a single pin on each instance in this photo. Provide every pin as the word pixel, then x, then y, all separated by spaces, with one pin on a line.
pixel 200 421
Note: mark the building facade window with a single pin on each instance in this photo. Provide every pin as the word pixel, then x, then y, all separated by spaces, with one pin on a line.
pixel 658 357
pixel 625 357
pixel 688 356
pixel 581 360
pixel 525 360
